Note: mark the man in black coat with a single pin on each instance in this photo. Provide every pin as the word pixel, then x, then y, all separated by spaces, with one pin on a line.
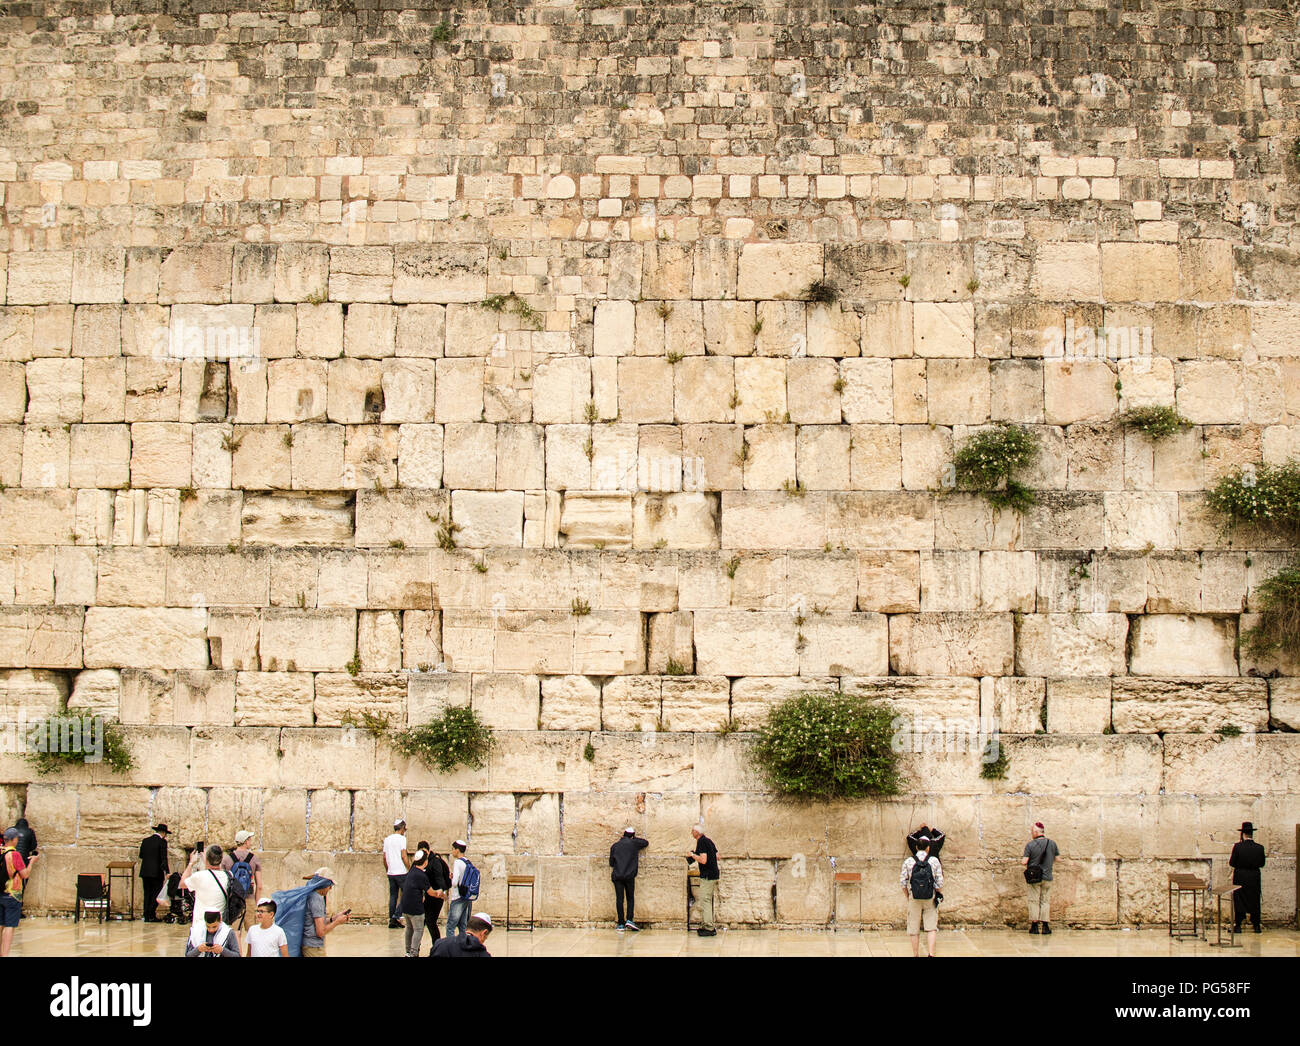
pixel 1246 861
pixel 153 870
pixel 26 844
pixel 472 944
pixel 624 857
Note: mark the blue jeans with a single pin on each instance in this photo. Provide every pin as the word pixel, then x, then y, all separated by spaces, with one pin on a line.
pixel 395 896
pixel 457 917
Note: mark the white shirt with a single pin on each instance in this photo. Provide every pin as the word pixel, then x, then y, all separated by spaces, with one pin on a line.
pixel 457 871
pixel 208 895
pixel 394 847
pixel 266 943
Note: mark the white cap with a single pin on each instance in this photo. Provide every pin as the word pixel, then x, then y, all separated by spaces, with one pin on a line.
pixel 461 843
pixel 399 821
pixel 484 916
pixel 629 830
pixel 242 837
pixel 419 856
pixel 263 900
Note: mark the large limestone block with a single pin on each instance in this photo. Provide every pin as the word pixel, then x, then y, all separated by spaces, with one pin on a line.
pixel 152 637
pixel 35 694
pixel 441 272
pixel 880 519
pixel 778 270
pixel 1284 702
pixel 693 703
pixel 1059 764
pixel 488 518
pixel 100 456
pixel 958 391
pixel 1078 706
pixel 340 695
pixel 889 582
pixel 687 520
pixel 728 330
pixel 745 642
pixel 199 274
pixel 211 578
pixel 233 637
pixel 1071 644
pixel 411 517
pixel 274 698
pixel 308 640
pixel 1139 272
pixel 951 644
pixel 297 390
pixel 98 689
pixel 297 519
pixel 591 519
pixel 1252 764
pixel 645 390
pixel 370 330
pixel 160 454
pixel 1078 390
pixel 1141 519
pixel 923 704
pixel 943 329
pixel 361 274
pixel 1184 706
pixel 868 393
pixel 40 277
pixel 671 640
pixel 1183 645
pixel 843 644
pixel 54 390
pixel 204 698
pixel 570 703
pixel 648 761
pixel 1063 520
pixel 522 641
pixel 1066 272
pixel 301 272
pixel 1015 703
pixel 1212 392
pixel 507 701
pixel 421 640
pixel 772 520
pixel 631 703
pixel 609 642
pixel 326 758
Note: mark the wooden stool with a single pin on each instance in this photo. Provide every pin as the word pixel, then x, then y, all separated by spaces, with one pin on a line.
pixel 520 882
pixel 1181 883
pixel 845 879
pixel 121 870
pixel 1220 894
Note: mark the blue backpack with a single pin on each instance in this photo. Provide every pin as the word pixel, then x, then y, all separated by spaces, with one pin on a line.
pixel 242 872
pixel 469 880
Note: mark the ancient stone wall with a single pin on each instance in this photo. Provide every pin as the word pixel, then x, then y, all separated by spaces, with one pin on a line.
pixel 295 294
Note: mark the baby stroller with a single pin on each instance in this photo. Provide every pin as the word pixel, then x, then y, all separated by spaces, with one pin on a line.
pixel 181 902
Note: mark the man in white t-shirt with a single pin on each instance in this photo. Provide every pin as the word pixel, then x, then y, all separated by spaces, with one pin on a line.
pixel 210 884
pixel 397 861
pixel 266 940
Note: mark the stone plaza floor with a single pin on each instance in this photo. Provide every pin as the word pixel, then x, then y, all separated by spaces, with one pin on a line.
pixel 40 936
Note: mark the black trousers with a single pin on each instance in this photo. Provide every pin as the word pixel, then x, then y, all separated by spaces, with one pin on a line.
pixel 432 906
pixel 1246 902
pixel 622 888
pixel 152 884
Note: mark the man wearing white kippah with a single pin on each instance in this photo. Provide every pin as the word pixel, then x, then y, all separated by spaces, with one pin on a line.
pixel 472 944
pixel 623 860
pixel 415 888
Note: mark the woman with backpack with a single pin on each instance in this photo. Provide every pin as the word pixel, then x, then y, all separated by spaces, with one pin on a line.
pixel 245 873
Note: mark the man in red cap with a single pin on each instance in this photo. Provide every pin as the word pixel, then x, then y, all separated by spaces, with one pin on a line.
pixel 1040 853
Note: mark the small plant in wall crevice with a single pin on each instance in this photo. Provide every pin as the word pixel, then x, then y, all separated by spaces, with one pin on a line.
pixel 455 737
pixel 1156 423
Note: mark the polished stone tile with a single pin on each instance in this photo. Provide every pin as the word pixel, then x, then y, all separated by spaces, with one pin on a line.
pixel 63 937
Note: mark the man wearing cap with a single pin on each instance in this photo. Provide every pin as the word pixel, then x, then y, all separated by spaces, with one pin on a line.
pixel 705 855
pixel 397 861
pixel 243 865
pixel 1246 861
pixel 316 924
pixel 1040 853
pixel 153 870
pixel 624 858
pixel 11 897
pixel 468 945
pixel 458 909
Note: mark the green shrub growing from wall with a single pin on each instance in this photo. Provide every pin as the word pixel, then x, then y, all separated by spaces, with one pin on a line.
pixel 819 746
pixel 67 738
pixel 1277 601
pixel 1266 496
pixel 456 737
pixel 988 461
pixel 1156 423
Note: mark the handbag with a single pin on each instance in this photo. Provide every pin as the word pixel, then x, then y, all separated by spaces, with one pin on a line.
pixel 1034 872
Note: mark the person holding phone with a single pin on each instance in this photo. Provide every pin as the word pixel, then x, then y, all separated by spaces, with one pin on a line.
pixel 317 924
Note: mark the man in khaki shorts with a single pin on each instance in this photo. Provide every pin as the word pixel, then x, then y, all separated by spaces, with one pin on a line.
pixel 921 878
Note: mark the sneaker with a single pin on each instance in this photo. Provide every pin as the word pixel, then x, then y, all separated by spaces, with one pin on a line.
pixel 1047 927
pixel 1033 927
pixel 393 924
pixel 634 927
pixel 619 927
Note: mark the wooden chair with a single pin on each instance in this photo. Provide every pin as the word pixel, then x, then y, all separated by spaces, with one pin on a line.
pixel 91 895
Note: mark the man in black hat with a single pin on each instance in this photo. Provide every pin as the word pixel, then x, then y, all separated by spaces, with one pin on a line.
pixel 153 870
pixel 1246 861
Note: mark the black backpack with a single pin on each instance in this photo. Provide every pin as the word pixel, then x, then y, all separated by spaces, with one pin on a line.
pixel 234 895
pixel 922 880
